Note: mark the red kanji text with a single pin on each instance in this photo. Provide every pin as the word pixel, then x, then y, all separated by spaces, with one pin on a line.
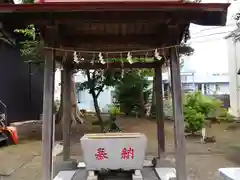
pixel 101 154
pixel 127 153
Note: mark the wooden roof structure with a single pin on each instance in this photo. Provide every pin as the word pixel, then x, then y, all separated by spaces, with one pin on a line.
pixel 114 28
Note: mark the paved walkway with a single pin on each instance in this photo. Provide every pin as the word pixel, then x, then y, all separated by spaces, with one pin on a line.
pixel 148 174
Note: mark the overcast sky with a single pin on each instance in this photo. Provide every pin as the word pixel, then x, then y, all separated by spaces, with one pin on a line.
pixel 210 47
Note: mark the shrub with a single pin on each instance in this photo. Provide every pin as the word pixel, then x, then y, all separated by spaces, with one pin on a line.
pixel 132 93
pixel 194 120
pixel 196 108
pixel 114 110
pixel 223 115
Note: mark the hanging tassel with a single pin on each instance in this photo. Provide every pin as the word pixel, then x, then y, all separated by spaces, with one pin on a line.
pixel 156 55
pixel 101 58
pixel 75 57
pixel 129 58
pixel 79 57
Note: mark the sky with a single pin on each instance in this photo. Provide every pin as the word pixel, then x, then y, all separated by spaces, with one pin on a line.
pixel 210 47
pixel 17 1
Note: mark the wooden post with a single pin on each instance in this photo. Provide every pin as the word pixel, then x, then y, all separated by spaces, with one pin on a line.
pixel 180 148
pixel 159 110
pixel 47 127
pixel 66 118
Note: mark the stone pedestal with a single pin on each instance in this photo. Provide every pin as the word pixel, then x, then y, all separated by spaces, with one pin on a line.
pixel 60 165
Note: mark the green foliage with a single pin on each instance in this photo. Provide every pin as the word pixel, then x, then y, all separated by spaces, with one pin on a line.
pixel 114 110
pixel 186 50
pixel 132 92
pixel 202 104
pixel 196 108
pixel 193 119
pixel 224 116
pixel 97 80
pixel 27 1
pixel 30 31
pixel 31 48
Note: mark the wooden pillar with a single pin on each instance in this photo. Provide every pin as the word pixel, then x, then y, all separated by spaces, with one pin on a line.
pixel 159 110
pixel 180 148
pixel 47 119
pixel 66 118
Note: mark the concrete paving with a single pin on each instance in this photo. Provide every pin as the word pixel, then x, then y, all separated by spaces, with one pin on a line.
pixel 148 174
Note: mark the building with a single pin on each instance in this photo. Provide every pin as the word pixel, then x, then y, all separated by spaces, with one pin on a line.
pixel 233 46
pixel 21 88
pixel 208 83
pixel 233 41
pixel 85 100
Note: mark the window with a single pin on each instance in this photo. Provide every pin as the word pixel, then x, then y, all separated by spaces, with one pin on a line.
pixel 206 88
pixel 199 87
pixel 184 78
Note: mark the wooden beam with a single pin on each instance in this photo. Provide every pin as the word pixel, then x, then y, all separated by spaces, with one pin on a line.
pixel 76 17
pixel 118 65
pixel 67 105
pixel 102 41
pixel 144 52
pixel 91 6
pixel 47 119
pixel 180 147
pixel 159 110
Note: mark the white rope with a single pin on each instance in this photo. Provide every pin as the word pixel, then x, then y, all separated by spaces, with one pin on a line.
pixel 112 52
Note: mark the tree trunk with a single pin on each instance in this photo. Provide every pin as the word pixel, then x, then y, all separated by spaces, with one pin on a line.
pixel 98 112
pixel 142 102
pixel 75 113
pixel 66 118
pixel 152 111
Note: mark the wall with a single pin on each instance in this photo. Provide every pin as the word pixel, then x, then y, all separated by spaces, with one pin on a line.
pixel 234 79
pixel 85 99
pixel 216 88
pixel 207 77
pixel 208 88
pixel 14 90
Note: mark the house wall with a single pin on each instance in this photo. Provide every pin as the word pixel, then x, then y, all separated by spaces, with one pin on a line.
pixel 234 79
pixel 214 88
pixel 207 88
pixel 23 99
pixel 223 88
pixel 85 100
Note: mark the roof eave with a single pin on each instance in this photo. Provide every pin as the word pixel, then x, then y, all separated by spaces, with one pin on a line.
pixel 113 5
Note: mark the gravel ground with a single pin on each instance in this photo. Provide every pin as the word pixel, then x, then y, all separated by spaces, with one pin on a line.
pixel 203 160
